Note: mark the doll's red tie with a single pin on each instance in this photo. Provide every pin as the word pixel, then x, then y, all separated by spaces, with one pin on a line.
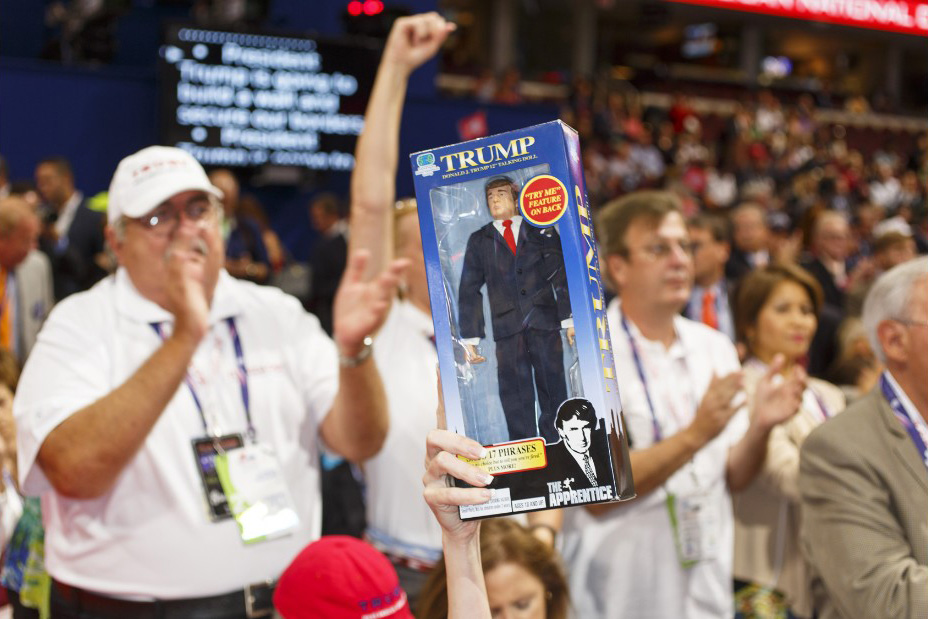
pixel 508 236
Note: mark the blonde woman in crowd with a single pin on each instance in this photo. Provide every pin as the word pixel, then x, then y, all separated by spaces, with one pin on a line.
pixel 775 315
pixel 523 575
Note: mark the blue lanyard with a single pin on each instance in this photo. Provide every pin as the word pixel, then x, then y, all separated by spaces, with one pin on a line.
pixel 658 436
pixel 902 415
pixel 821 404
pixel 242 377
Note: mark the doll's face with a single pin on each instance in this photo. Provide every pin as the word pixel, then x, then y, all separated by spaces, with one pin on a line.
pixel 501 202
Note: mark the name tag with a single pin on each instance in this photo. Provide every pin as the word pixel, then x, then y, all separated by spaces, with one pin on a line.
pixel 695 520
pixel 254 485
pixel 205 451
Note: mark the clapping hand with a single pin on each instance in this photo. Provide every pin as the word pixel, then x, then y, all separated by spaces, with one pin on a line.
pixel 778 398
pixel 361 307
pixel 717 405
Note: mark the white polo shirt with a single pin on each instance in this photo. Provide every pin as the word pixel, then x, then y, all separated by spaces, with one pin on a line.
pixel 399 520
pixel 625 563
pixel 149 536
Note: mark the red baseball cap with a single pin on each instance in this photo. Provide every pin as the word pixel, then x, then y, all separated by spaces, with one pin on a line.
pixel 341 577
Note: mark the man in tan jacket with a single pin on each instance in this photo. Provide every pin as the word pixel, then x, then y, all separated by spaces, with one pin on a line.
pixel 863 475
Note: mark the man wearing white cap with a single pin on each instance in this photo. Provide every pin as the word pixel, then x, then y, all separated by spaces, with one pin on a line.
pixel 170 417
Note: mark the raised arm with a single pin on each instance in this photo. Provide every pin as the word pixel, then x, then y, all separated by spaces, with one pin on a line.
pixel 412 41
pixel 467 592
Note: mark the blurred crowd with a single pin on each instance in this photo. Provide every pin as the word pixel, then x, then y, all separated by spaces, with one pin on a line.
pixel 762 150
pixel 784 186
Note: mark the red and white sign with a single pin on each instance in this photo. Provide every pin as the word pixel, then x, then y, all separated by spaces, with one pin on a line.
pixel 906 16
pixel 473 126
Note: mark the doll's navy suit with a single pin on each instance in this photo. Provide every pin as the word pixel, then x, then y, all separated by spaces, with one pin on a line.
pixel 528 300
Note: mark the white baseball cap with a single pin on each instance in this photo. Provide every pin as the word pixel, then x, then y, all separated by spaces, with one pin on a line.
pixel 147 178
pixel 894 224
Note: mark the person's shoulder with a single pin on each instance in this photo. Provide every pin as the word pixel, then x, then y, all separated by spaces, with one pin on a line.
pixel 34 260
pixel 697 332
pixel 706 345
pixel 89 306
pixel 325 246
pixel 850 431
pixel 830 393
pixel 280 316
pixel 812 264
pixel 84 211
pixel 558 456
pixel 480 235
pixel 254 296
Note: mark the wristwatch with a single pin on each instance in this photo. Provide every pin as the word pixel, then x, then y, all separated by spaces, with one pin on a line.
pixel 358 359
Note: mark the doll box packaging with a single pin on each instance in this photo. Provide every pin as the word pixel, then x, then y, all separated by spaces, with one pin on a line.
pixel 520 318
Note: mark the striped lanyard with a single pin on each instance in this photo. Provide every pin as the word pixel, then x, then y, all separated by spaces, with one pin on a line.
pixel 655 426
pixel 916 432
pixel 242 377
pixel 642 376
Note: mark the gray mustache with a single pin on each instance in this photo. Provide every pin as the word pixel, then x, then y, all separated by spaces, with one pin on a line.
pixel 200 247
pixel 197 245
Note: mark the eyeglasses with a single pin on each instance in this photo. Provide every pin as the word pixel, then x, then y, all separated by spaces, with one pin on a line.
pixel 166 217
pixel 661 250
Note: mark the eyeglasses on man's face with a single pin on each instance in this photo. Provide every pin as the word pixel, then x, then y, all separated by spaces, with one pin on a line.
pixel 166 217
pixel 661 250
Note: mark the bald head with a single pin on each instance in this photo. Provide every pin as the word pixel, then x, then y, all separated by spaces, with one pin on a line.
pixel 13 211
pixel 19 231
